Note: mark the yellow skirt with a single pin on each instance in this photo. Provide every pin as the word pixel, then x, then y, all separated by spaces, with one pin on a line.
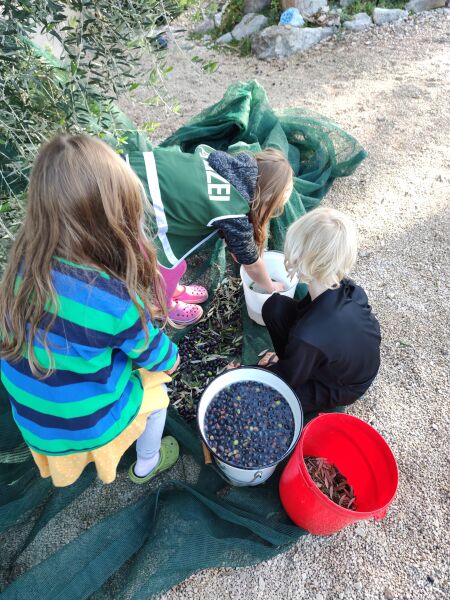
pixel 65 470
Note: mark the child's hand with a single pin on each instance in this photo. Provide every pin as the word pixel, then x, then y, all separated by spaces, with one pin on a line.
pixel 278 286
pixel 268 359
pixel 175 366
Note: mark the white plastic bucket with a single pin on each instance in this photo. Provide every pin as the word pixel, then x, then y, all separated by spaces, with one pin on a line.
pixel 240 476
pixel 274 262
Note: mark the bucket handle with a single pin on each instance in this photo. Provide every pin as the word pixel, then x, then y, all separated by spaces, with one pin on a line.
pixel 256 476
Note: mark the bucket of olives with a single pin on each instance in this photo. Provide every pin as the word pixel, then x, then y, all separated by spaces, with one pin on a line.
pixel 250 420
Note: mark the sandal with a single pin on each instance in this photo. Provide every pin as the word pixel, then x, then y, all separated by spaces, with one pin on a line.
pixel 192 294
pixel 169 453
pixel 185 314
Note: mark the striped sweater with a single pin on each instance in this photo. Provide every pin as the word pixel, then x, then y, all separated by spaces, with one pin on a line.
pixel 97 342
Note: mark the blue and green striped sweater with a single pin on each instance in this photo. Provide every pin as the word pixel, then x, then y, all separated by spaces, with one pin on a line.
pixel 97 342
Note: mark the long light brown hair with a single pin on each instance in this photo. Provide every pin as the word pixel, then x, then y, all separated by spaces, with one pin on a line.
pixel 274 180
pixel 85 205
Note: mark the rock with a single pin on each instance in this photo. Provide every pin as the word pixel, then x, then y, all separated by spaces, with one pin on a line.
pixel 358 586
pixel 279 41
pixel 218 19
pixel 262 584
pixel 249 25
pixel 388 594
pixel 346 3
pixel 388 15
pixel 421 5
pixel 226 38
pixel 292 17
pixel 307 8
pixel 360 531
pixel 204 26
pixel 255 6
pixel 327 19
pixel 359 22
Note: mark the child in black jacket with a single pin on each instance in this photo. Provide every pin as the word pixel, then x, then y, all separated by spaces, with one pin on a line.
pixel 327 346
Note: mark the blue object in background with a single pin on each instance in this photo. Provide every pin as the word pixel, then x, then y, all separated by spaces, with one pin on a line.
pixel 292 17
pixel 162 42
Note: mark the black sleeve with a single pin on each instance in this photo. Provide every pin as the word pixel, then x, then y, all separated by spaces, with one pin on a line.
pixel 238 234
pixel 298 363
pixel 297 370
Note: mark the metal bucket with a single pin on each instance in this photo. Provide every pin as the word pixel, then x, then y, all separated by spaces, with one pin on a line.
pixel 241 476
pixel 274 262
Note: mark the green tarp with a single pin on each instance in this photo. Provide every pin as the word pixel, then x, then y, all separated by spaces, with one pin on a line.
pixel 176 527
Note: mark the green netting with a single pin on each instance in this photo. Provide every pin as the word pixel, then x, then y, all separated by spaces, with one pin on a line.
pixel 175 527
pixel 318 150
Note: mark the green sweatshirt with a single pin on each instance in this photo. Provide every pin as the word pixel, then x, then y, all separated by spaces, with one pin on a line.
pixel 188 197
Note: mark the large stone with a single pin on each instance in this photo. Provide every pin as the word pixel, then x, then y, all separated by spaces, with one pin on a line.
pixel 226 38
pixel 307 8
pixel 359 22
pixel 218 19
pixel 279 41
pixel 204 26
pixel 291 17
pixel 249 25
pixel 256 6
pixel 388 15
pixel 421 5
pixel 346 3
pixel 329 18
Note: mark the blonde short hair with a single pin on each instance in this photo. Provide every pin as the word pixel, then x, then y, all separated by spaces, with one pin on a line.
pixel 321 245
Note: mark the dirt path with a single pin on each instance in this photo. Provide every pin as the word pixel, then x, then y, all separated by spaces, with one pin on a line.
pixel 390 88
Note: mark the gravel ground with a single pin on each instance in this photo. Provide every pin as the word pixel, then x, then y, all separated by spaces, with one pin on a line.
pixel 388 86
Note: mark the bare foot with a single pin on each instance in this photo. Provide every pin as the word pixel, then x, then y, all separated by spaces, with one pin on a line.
pixel 268 359
pixel 234 364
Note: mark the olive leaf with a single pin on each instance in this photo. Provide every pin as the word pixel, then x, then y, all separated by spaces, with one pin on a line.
pixel 330 481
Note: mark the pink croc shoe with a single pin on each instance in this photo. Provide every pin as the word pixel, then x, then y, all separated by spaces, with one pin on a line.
pixel 192 294
pixel 185 314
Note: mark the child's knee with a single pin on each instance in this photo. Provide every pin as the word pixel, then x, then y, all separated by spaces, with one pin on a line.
pixel 274 306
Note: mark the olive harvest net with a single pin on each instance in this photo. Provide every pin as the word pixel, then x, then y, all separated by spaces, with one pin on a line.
pixel 125 541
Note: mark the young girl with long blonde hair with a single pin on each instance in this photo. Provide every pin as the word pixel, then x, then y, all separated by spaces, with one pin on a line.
pixel 196 196
pixel 81 357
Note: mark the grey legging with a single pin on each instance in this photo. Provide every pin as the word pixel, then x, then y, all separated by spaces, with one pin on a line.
pixel 149 443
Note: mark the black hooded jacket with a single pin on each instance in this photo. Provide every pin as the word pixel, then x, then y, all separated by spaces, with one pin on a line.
pixel 328 348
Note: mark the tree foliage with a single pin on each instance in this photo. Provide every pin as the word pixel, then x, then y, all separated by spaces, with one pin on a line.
pixel 100 45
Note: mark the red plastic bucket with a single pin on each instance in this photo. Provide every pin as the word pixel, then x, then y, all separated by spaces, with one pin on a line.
pixel 360 454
